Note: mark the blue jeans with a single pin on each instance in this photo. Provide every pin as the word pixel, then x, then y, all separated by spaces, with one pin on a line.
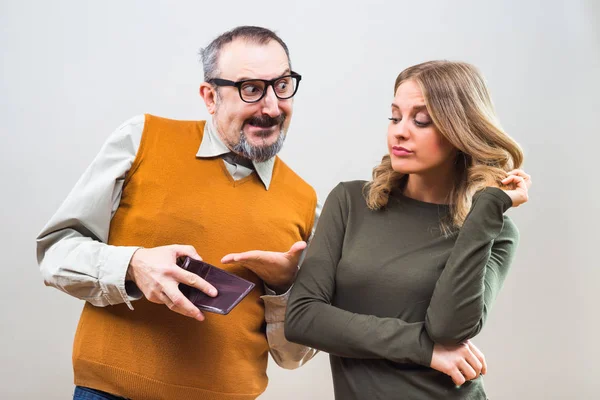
pixel 83 393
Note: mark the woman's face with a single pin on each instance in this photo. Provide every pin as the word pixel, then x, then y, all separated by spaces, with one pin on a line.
pixel 414 143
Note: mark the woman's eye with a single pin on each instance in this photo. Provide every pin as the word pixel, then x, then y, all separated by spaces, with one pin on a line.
pixel 422 120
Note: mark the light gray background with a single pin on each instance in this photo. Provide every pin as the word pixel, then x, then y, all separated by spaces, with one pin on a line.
pixel 72 71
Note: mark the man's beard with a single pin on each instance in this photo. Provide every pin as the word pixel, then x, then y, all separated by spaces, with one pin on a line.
pixel 261 153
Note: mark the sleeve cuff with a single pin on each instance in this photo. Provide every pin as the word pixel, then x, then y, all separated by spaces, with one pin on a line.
pixel 427 349
pixel 500 195
pixel 112 276
pixel 275 305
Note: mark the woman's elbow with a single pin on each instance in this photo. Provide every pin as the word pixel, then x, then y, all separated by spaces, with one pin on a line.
pixel 297 319
pixel 451 336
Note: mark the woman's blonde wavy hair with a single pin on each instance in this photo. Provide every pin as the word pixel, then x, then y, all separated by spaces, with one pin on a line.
pixel 460 107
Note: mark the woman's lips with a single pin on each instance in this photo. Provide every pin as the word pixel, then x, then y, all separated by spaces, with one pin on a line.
pixel 400 151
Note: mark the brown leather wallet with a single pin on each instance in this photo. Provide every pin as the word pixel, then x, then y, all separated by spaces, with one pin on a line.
pixel 232 289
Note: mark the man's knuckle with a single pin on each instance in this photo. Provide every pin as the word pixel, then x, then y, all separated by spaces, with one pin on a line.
pixel 154 299
pixel 192 312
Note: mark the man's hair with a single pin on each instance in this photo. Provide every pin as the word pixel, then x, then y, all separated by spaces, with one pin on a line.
pixel 254 34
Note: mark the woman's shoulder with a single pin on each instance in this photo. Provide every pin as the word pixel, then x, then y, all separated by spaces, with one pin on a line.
pixel 352 190
pixel 353 186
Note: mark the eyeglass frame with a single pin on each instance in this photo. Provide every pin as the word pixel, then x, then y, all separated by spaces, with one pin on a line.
pixel 226 82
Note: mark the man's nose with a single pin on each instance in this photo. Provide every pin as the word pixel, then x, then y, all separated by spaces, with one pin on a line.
pixel 271 103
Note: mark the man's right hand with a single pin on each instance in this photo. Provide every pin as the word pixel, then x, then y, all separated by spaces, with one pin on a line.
pixel 462 362
pixel 157 275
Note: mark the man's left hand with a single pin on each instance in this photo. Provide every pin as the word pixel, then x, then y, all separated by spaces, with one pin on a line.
pixel 277 270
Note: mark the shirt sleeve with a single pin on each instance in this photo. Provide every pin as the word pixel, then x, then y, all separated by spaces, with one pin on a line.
pixel 475 271
pixel 313 321
pixel 72 249
pixel 286 354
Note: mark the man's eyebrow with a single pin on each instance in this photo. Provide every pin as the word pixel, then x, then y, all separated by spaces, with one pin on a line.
pixel 287 71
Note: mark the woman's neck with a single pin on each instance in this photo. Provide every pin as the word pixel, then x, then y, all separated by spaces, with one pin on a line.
pixel 430 188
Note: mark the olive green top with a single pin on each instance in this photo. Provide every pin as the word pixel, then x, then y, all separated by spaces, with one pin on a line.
pixel 378 288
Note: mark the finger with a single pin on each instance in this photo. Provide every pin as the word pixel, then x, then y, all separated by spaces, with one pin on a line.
pixel 523 174
pixel 518 180
pixel 466 369
pixel 527 178
pixel 229 258
pixel 457 377
pixel 473 361
pixel 164 299
pixel 178 303
pixel 479 356
pixel 191 279
pixel 185 250
pixel 297 248
pixel 509 178
pixel 252 255
pixel 519 172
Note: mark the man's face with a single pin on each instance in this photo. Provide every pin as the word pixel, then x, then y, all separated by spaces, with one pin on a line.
pixel 253 130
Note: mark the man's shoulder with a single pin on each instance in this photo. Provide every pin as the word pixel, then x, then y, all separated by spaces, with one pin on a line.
pixel 155 119
pixel 161 128
pixel 135 121
pixel 160 118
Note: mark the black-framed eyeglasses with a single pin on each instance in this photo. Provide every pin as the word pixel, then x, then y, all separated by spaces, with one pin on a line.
pixel 253 90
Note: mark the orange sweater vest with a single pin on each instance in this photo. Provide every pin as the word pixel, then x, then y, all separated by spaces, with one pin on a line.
pixel 172 197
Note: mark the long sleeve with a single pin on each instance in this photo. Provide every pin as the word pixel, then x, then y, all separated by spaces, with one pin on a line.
pixel 312 320
pixel 475 270
pixel 71 249
pixel 286 354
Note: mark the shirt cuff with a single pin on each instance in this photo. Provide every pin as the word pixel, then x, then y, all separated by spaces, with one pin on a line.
pixel 112 276
pixel 500 195
pixel 275 305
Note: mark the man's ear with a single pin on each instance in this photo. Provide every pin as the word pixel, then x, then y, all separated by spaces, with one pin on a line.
pixel 209 95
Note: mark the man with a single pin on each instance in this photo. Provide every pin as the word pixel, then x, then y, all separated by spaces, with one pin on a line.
pixel 215 190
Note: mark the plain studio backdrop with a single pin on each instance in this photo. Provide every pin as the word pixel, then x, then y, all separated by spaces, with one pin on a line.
pixel 72 71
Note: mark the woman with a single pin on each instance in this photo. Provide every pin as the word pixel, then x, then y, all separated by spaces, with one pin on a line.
pixel 403 270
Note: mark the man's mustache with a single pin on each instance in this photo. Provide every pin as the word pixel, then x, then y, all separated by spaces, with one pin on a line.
pixel 266 121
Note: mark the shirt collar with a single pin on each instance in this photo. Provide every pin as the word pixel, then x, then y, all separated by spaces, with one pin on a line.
pixel 213 146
